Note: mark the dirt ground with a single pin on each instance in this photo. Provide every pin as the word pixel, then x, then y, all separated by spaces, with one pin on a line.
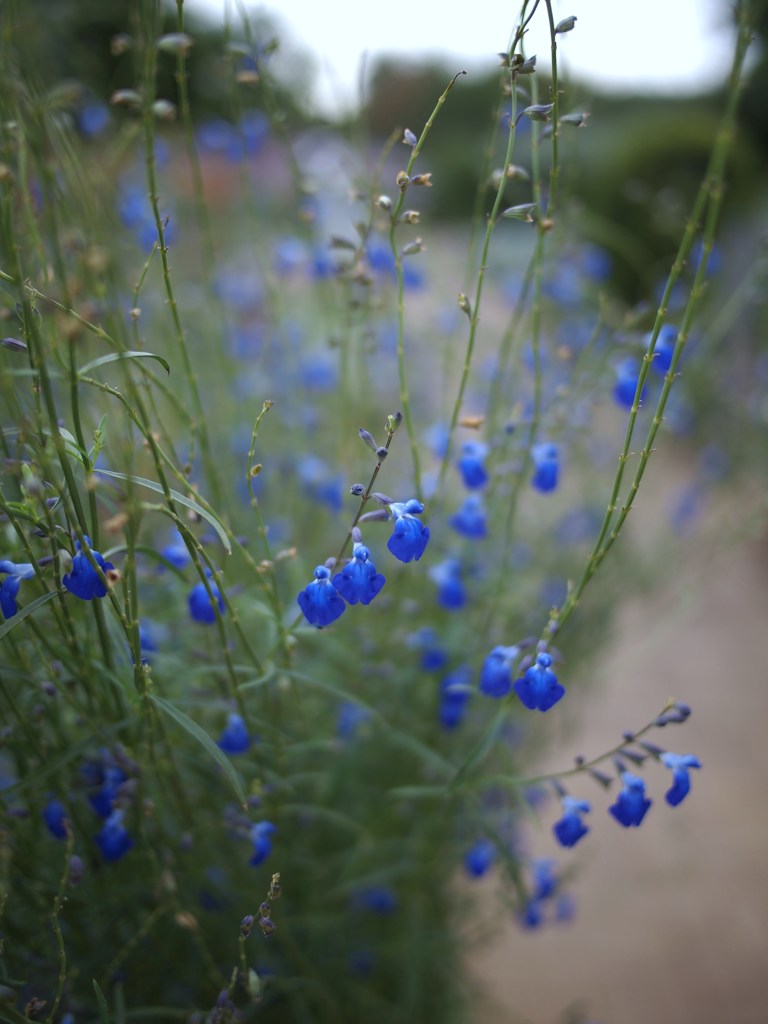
pixel 672 917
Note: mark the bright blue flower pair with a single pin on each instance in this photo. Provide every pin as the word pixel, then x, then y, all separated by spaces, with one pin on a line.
pixel 9 588
pixel 538 688
pixel 358 580
pixel 83 580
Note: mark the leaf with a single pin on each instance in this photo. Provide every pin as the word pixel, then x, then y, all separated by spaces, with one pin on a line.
pixel 118 357
pixel 180 498
pixel 25 611
pixel 103 1009
pixel 205 741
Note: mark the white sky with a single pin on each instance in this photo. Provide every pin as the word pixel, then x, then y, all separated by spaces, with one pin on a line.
pixel 630 45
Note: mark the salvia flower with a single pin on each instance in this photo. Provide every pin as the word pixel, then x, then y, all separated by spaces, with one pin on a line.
pixel 320 601
pixel 55 816
pixel 471 465
pixel 479 858
pixel 455 691
pixel 358 580
pixel 113 840
pixel 538 688
pixel 631 803
pixel 570 828
pixel 261 834
pixel 409 537
pixel 546 466
pixel 627 374
pixel 234 738
pixel 83 580
pixel 201 605
pixel 664 349
pixel 450 589
pixel 15 573
pixel 496 673
pixel 470 518
pixel 681 781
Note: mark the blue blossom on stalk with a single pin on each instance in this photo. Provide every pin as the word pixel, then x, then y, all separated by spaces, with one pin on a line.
pixel 201 606
pixel 262 843
pixel 54 816
pixel 681 781
pixel 409 537
pixel 450 589
pixel 15 573
pixel 631 803
pixel 479 858
pixel 234 738
pixel 320 601
pixel 546 466
pixel 496 673
pixel 471 465
pixel 83 580
pixel 470 519
pixel 114 840
pixel 358 580
pixel 627 374
pixel 538 688
pixel 570 828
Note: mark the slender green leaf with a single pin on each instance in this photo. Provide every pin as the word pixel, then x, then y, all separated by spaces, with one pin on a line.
pixel 25 611
pixel 103 1009
pixel 118 357
pixel 205 741
pixel 180 498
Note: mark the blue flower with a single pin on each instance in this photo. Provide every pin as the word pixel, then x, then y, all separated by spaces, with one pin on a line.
pixel 234 738
pixel 262 843
pixel 496 673
pixel 113 840
pixel 201 606
pixel 358 580
pixel 471 465
pixel 470 519
pixel 54 816
pixel 665 348
pixel 320 601
pixel 351 716
pixel 455 691
pixel 447 575
pixel 15 573
pixel 176 553
pixel 631 803
pixel 570 828
pixel 681 782
pixel 479 858
pixel 546 466
pixel 103 780
pixel 379 899
pixel 82 580
pixel 627 374
pixel 409 537
pixel 539 688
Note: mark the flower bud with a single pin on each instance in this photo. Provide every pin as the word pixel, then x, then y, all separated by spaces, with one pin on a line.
pixel 367 438
pixel 382 453
pixel 414 247
pixel 126 98
pixel 464 305
pixel 409 139
pixel 164 110
pixel 246 924
pixel 384 203
pixel 394 421
pixel 175 42
pixel 422 179
pixel 538 112
pixel 578 119
pixel 523 211
pixel 566 25
pixel 357 489
pixel 410 217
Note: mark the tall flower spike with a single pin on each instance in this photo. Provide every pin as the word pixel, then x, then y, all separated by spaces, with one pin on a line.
pixel 681 780
pixel 631 803
pixel 358 580
pixel 538 688
pixel 9 588
pixel 409 537
pixel 320 601
pixel 570 828
pixel 82 580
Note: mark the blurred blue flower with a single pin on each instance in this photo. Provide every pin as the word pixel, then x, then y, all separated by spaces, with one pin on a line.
pixel 54 815
pixel 379 899
pixel 176 553
pixel 82 580
pixel 496 673
pixel 631 803
pixel 320 601
pixel 262 843
pixel 570 828
pixel 234 738
pixel 538 688
pixel 470 519
pixel 358 580
pixel 201 606
pixel 681 781
pixel 103 780
pixel 546 466
pixel 471 465
pixel 319 483
pixel 545 881
pixel 433 656
pixel 455 691
pixel 627 374
pixel 479 858
pixel 15 573
pixel 410 537
pixel 450 589
pixel 351 716
pixel 664 350
pixel 93 118
pixel 113 840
